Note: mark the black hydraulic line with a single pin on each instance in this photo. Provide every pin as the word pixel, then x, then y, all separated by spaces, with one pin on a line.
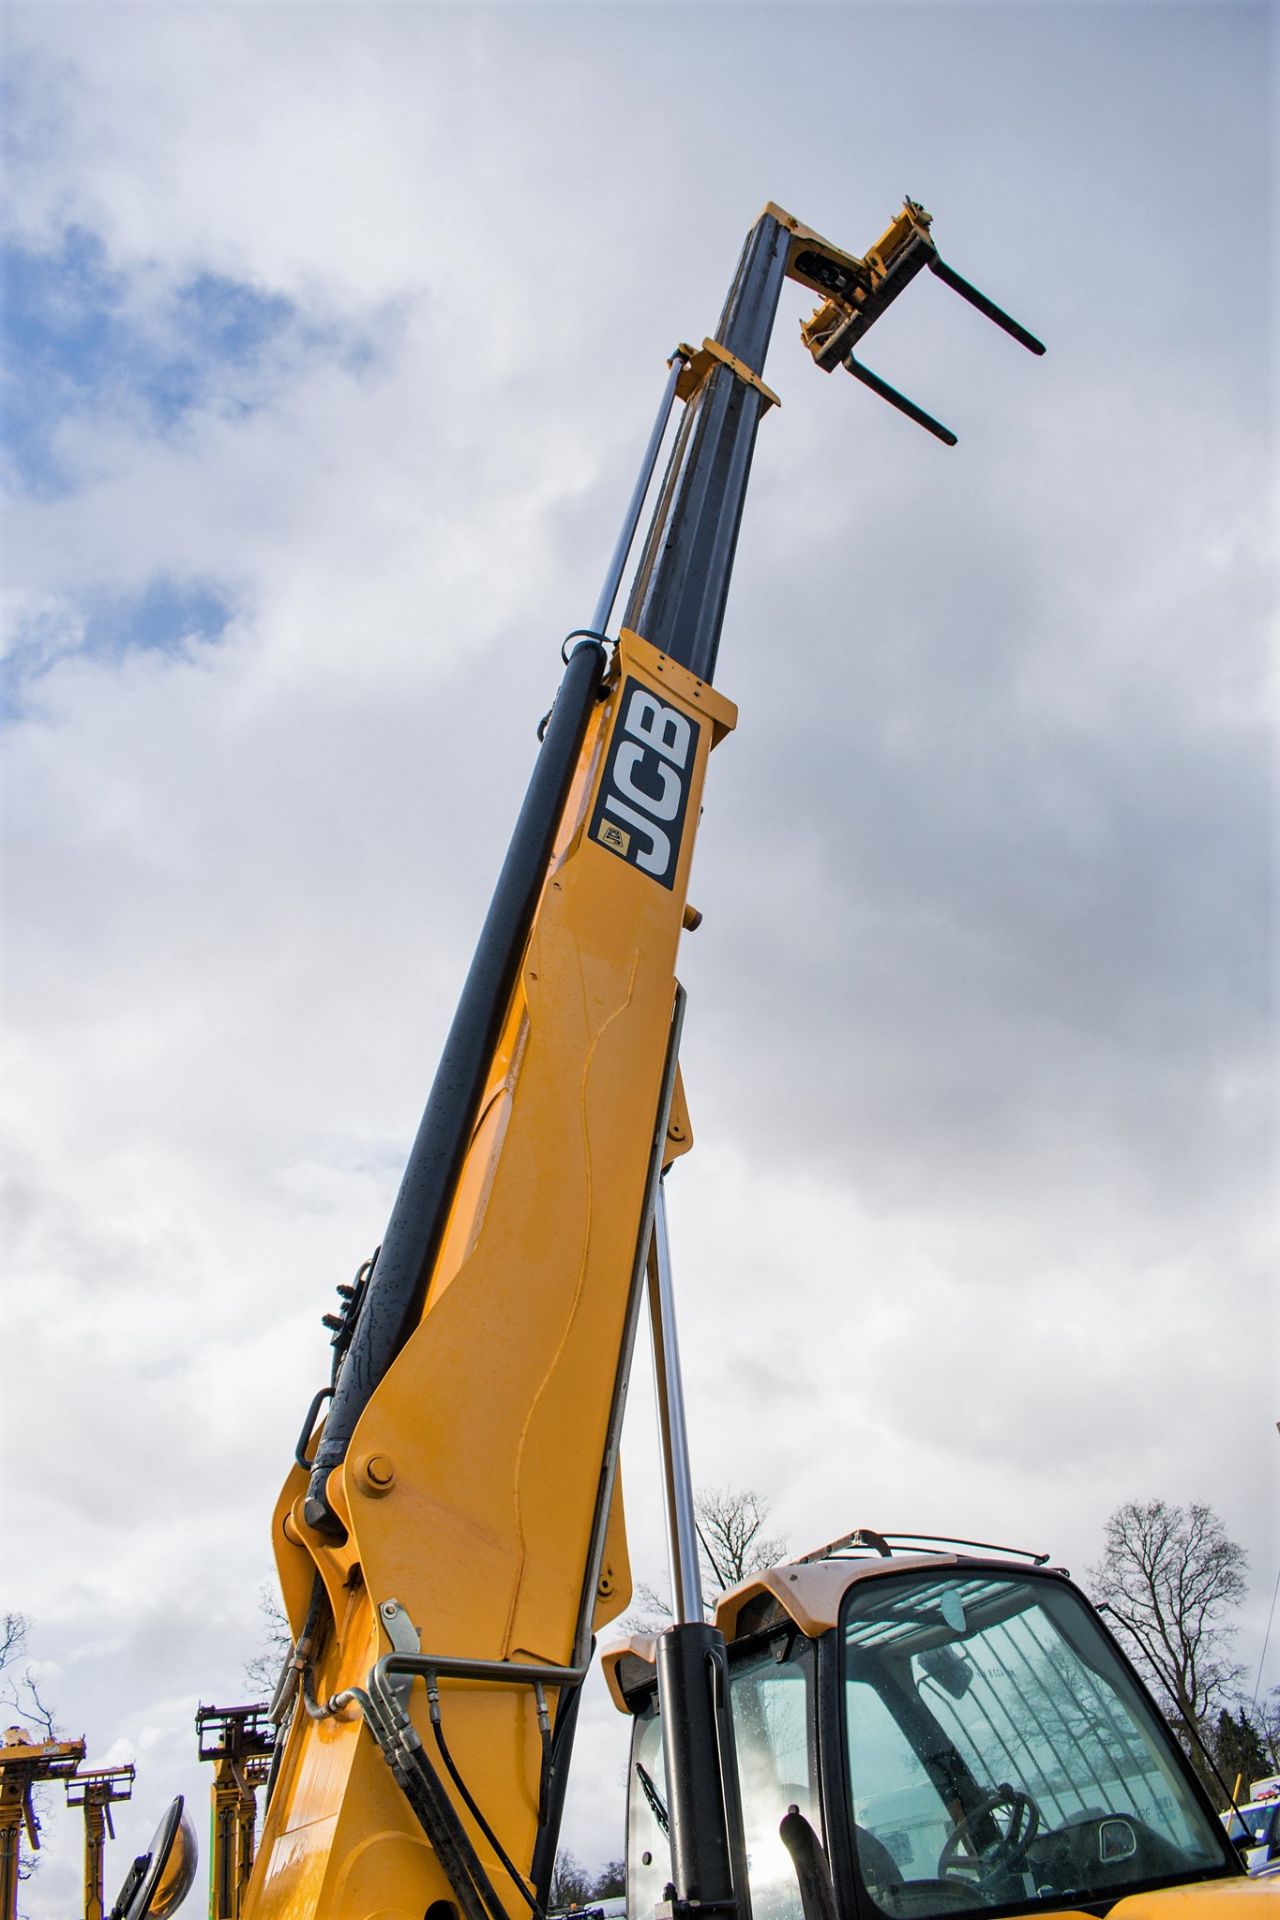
pixel 397 1287
pixel 470 1802
pixel 678 597
pixel 298 1657
pixel 294 1668
pixel 544 1766
pixel 900 401
pixel 967 291
pixel 421 1785
pixel 395 1734
pixel 552 1786
pixel 273 1771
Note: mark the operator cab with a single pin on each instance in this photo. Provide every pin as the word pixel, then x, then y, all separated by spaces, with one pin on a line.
pixel 955 1735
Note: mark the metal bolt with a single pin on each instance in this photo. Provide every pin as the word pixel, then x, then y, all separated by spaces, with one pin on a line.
pixel 375 1475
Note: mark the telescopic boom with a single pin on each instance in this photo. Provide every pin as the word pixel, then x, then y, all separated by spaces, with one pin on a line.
pixel 451 1538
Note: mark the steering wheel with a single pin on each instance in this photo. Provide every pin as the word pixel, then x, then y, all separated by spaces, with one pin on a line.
pixel 961 1855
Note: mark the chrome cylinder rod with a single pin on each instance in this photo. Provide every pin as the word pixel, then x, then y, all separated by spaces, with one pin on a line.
pixel 682 1521
pixel 631 520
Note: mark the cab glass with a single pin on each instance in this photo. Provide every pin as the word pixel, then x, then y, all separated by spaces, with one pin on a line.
pixel 999 1754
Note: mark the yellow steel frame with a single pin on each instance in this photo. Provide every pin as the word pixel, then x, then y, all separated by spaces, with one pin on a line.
pixel 474 1473
pixel 97 1792
pixel 234 1813
pixel 24 1763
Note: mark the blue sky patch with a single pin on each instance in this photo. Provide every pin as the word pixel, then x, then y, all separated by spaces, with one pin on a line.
pixel 84 340
pixel 164 616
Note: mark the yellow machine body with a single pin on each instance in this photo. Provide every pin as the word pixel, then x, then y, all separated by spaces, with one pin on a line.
pixel 472 1488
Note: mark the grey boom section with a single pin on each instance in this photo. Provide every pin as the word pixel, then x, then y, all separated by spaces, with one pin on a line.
pixel 678 598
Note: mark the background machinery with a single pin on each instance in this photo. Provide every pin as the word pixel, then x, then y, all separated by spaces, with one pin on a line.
pixel 24 1764
pixel 97 1791
pixel 238 1742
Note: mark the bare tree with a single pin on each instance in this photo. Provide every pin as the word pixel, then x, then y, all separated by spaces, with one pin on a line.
pixel 263 1670
pixel 20 1695
pixel 731 1536
pixel 611 1881
pixel 732 1545
pixel 20 1692
pixel 570 1882
pixel 573 1885
pixel 13 1637
pixel 1170 1579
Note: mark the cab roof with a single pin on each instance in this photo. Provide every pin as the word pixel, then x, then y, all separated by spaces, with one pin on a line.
pixel 808 1592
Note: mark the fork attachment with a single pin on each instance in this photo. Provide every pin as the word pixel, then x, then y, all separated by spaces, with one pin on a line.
pixel 857 291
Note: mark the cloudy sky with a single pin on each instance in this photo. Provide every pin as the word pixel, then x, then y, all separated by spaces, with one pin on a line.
pixel 334 334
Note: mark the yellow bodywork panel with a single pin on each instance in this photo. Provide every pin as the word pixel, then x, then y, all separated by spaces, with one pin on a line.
pixel 1241 1899
pixel 613 1583
pixel 490 1431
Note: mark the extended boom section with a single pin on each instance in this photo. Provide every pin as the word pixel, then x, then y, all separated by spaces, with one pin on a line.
pixel 473 1501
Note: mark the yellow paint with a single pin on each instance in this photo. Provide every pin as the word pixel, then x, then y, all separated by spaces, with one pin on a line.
pixel 702 361
pixel 496 1411
pixel 1241 1899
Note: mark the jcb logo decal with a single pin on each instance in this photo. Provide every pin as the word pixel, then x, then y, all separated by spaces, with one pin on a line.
pixel 640 812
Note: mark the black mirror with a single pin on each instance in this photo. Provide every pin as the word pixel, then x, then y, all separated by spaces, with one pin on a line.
pixel 159 1880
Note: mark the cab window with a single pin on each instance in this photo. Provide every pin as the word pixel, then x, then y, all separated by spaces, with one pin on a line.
pixel 999 1754
pixel 771 1690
